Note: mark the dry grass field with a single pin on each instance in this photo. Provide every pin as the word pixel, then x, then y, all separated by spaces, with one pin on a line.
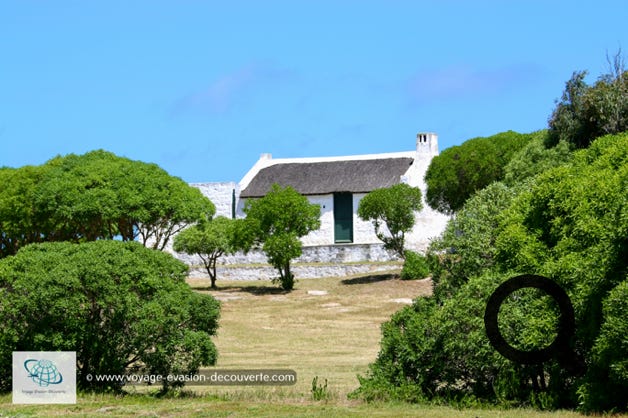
pixel 333 336
pixel 328 328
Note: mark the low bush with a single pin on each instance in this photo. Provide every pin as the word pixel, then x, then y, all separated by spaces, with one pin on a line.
pixel 122 307
pixel 415 266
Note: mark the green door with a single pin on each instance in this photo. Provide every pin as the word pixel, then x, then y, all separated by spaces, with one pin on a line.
pixel 343 217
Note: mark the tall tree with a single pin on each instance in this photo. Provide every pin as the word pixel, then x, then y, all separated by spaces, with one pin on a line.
pixel 588 112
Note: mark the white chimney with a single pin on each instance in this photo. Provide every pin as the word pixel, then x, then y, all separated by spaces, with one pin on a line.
pixel 427 143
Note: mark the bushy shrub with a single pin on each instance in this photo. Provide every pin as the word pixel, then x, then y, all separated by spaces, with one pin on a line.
pixel 535 158
pixel 415 266
pixel 607 380
pixel 460 171
pixel 122 307
pixel 569 224
pixel 466 247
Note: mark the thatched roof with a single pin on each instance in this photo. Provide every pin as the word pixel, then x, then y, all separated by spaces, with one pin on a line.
pixel 355 176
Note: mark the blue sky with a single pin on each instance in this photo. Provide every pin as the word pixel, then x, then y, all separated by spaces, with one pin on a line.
pixel 203 87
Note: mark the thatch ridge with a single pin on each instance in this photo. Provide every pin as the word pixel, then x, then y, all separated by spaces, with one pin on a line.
pixel 354 176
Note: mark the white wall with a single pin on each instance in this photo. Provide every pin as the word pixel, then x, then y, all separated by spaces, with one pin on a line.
pixel 429 224
pixel 363 231
pixel 220 194
pixel 324 235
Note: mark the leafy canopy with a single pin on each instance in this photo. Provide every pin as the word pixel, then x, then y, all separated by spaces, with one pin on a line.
pixel 277 221
pixel 122 307
pixel 394 208
pixel 587 112
pixel 460 171
pixel 97 195
pixel 535 158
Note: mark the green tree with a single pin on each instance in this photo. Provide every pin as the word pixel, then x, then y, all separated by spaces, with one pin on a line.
pixel 459 171
pixel 20 220
pixel 93 196
pixel 566 123
pixel 209 240
pixel 101 195
pixel 122 307
pixel 588 112
pixel 535 158
pixel 393 207
pixel 277 221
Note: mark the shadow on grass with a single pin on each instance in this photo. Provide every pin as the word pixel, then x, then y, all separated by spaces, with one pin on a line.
pixel 373 278
pixel 254 290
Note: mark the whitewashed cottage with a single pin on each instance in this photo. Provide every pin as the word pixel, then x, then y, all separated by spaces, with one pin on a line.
pixel 338 184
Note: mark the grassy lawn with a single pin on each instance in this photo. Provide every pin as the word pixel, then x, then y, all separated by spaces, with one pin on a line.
pixel 333 336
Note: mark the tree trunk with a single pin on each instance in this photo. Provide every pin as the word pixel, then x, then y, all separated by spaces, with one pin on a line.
pixel 287 281
pixel 213 276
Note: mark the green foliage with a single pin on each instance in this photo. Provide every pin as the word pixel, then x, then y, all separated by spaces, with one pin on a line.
pixel 459 171
pixel 209 239
pixel 430 350
pixel 608 378
pixel 277 221
pixel 415 266
pixel 520 323
pixel 572 226
pixel 438 349
pixel 21 222
pixel 320 392
pixel 534 158
pixel 568 223
pixel 395 208
pixel 588 112
pixel 467 246
pixel 122 307
pixel 93 196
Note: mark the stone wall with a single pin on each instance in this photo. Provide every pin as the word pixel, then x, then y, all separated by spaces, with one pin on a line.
pixel 344 253
pixel 305 271
pixel 315 262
